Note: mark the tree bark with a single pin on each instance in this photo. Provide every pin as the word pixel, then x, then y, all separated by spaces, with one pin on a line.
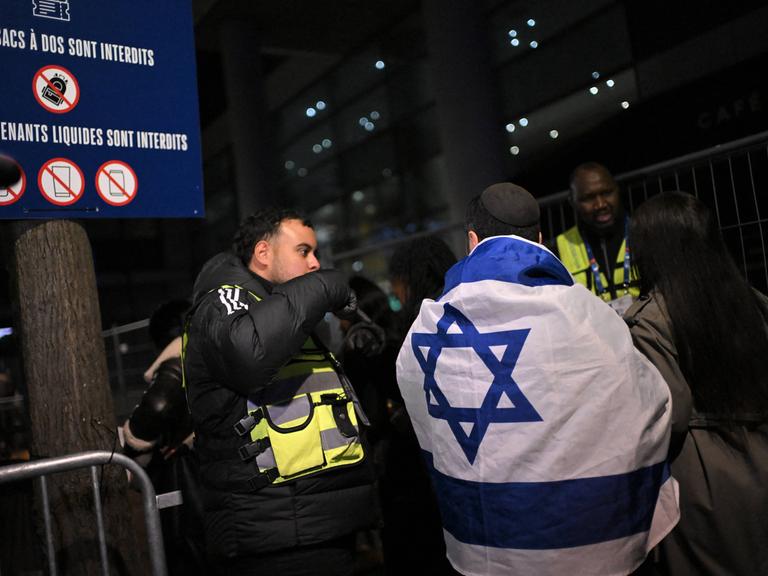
pixel 69 398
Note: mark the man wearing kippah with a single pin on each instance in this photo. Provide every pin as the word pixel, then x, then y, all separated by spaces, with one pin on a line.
pixel 544 430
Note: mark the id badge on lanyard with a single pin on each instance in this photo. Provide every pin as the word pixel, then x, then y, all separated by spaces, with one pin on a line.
pixel 623 302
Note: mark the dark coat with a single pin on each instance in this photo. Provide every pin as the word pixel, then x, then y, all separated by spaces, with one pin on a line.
pixel 722 470
pixel 235 348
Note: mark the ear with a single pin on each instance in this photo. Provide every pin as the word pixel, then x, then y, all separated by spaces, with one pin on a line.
pixel 262 254
pixel 472 240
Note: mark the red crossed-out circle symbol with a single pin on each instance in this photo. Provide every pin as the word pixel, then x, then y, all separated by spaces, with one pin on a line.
pixel 56 89
pixel 61 181
pixel 116 183
pixel 13 192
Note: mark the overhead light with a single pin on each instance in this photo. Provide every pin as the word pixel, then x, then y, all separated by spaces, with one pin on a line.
pixel 531 22
pixel 514 150
pixel 320 105
pixel 610 83
pixel 515 42
pixel 595 74
pixel 554 134
pixel 290 164
pixel 327 143
pixel 302 172
pixel 534 44
pixel 311 112
pixel 358 196
pixel 512 33
pixel 363 121
pixel 317 148
pixel 374 115
pixel 369 126
pixel 380 65
pixel 625 104
pixel 593 90
pixel 523 122
pixel 510 127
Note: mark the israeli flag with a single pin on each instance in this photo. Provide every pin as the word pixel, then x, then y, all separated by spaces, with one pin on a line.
pixel 544 430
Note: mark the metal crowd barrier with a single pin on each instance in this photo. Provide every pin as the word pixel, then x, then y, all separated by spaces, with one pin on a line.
pixel 732 179
pixel 47 466
pixel 729 178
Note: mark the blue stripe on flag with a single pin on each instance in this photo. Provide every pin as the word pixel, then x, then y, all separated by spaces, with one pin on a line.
pixel 548 515
pixel 509 259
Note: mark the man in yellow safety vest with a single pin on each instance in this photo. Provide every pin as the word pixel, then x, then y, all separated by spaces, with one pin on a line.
pixel 596 251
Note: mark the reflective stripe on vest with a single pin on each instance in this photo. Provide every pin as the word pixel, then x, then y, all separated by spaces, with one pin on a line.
pixel 573 255
pixel 314 430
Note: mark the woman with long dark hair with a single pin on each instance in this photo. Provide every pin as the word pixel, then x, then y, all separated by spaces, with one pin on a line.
pixel 417 271
pixel 701 324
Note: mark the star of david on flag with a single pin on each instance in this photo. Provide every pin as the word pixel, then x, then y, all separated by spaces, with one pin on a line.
pixel 484 345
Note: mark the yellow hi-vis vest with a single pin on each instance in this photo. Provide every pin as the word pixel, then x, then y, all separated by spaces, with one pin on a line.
pixel 573 255
pixel 315 429
pixel 309 427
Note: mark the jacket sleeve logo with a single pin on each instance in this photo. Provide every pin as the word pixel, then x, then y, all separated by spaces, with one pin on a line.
pixel 230 297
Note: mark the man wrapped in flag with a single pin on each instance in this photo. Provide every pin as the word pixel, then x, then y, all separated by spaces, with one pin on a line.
pixel 544 430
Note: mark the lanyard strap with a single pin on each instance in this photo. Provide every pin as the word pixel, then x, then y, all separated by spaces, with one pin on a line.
pixel 596 269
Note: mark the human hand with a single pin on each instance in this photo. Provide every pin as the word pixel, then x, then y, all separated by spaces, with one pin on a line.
pixel 349 311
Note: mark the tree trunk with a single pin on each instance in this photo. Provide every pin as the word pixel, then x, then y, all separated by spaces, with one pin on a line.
pixel 69 398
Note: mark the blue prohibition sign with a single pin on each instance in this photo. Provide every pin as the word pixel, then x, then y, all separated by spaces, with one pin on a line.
pixel 503 383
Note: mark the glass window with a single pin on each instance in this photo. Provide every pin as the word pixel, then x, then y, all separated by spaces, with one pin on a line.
pixel 515 25
pixel 312 148
pixel 364 118
pixel 358 73
pixel 568 62
pixel 305 111
pixel 553 126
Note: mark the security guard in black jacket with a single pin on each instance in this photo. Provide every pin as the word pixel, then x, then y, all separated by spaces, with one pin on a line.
pixel 285 474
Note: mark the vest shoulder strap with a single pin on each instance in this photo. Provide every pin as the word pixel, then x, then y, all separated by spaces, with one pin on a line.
pixel 573 253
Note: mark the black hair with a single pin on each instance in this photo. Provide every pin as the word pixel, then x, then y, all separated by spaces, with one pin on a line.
pixel 590 166
pixel 167 322
pixel 421 266
pixel 485 225
pixel 262 225
pixel 717 323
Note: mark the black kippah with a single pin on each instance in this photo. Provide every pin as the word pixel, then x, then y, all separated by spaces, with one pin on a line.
pixel 511 204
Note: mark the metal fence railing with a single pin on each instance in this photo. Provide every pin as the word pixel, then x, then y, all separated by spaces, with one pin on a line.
pixel 731 178
pixel 41 469
pixel 130 352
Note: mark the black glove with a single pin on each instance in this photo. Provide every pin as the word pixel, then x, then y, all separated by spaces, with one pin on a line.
pixel 366 338
pixel 349 311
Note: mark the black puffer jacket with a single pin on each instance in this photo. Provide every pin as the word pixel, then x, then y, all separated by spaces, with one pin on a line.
pixel 235 348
